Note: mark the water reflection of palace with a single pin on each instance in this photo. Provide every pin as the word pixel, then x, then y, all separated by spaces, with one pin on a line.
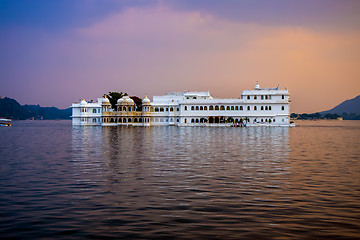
pixel 151 151
pixel 261 106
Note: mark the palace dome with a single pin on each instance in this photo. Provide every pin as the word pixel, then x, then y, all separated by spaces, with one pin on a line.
pixel 125 100
pixel 105 101
pixel 146 100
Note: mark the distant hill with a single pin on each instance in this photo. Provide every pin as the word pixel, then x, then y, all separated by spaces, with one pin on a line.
pixel 10 108
pixel 348 106
pixel 48 112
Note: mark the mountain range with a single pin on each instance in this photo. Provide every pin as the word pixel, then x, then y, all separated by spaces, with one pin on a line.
pixel 348 106
pixel 10 108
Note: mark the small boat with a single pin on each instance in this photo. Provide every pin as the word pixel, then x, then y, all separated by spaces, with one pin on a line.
pixel 4 122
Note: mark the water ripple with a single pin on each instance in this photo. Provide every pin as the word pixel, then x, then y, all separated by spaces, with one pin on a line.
pixel 59 181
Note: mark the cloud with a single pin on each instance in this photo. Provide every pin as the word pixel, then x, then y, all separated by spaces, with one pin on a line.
pixel 158 49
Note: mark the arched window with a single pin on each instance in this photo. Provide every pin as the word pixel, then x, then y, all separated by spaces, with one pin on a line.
pixel 270 108
pixel 232 108
pixel 236 108
pixel 192 120
pixel 201 108
pixel 266 96
pixel 216 108
pixel 167 109
pixel 211 108
pixel 185 108
pixel 129 119
pixel 282 108
pixel 197 108
pixel 222 108
pixel 140 119
pixel 94 110
pixel 161 109
pixel 248 108
pixel 156 109
pixel 135 119
pixel 94 119
pixel 266 108
pixel 197 120
pixel 205 108
pixel 192 108
pixel 171 109
pixel 228 108
pixel 255 108
pixel 124 120
pixel 241 108
pixel 255 97
pixel 262 108
pixel 120 119
pixel 248 97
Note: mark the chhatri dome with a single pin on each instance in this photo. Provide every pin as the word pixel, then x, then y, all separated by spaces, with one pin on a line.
pixel 105 101
pixel 125 100
pixel 146 100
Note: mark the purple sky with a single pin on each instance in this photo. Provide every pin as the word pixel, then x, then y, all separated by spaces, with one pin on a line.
pixel 56 52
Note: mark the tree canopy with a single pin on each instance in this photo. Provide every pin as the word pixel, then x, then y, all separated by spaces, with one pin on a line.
pixel 113 97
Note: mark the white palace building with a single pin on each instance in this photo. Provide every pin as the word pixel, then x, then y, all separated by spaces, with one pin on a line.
pixel 258 107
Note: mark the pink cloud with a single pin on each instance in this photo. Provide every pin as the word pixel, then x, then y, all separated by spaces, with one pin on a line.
pixel 155 50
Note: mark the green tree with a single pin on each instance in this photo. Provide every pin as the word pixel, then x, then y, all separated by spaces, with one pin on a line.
pixel 113 97
pixel 294 115
pixel 138 102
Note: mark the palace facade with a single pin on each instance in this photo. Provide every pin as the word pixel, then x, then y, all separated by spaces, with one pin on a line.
pixel 257 107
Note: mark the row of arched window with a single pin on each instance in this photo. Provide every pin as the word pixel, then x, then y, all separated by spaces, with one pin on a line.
pixel 258 97
pixel 214 108
pixel 164 119
pixel 164 109
pixel 227 108
pixel 126 120
pixel 263 108
pixel 94 110
pixel 124 109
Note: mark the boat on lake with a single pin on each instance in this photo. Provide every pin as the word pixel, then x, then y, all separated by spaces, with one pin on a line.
pixel 4 122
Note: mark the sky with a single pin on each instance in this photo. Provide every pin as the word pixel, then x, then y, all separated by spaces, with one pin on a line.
pixel 56 52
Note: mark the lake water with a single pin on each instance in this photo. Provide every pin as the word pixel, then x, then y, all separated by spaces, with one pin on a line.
pixel 64 182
